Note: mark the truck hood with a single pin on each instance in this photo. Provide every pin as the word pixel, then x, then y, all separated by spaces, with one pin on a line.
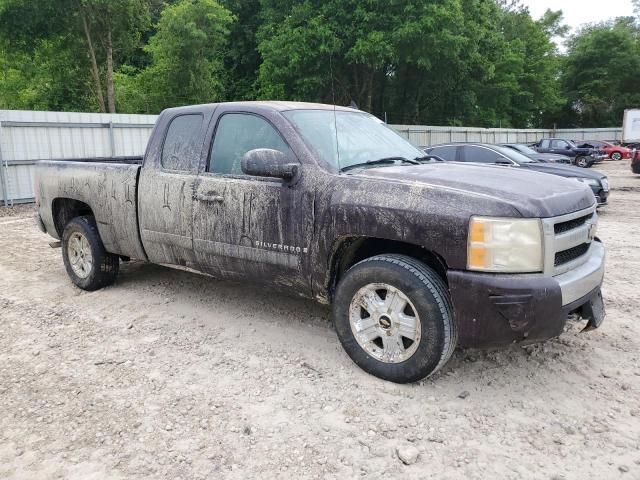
pixel 530 193
pixel 568 171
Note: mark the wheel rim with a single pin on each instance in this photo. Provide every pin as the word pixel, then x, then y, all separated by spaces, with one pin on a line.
pixel 80 257
pixel 582 162
pixel 385 323
pixel 616 156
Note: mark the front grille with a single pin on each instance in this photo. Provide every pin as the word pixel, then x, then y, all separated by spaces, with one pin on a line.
pixel 566 256
pixel 571 224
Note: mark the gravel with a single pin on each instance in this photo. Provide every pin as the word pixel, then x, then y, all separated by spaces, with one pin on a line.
pixel 169 375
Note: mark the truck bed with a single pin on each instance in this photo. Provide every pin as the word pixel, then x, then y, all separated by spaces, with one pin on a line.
pixel 108 186
pixel 132 160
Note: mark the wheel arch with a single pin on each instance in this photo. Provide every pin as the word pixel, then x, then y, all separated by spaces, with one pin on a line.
pixel 64 210
pixel 348 251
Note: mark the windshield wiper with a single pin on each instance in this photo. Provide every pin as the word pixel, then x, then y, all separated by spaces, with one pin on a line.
pixel 426 158
pixel 380 161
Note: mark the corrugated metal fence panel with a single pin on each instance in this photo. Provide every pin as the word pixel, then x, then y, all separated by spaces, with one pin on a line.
pixel 28 136
pixel 427 135
pixel 591 134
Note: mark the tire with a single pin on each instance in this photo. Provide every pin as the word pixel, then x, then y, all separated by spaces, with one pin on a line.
pixel 410 354
pixel 582 162
pixel 616 156
pixel 88 264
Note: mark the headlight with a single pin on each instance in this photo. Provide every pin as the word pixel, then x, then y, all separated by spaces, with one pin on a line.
pixel 590 181
pixel 605 184
pixel 510 245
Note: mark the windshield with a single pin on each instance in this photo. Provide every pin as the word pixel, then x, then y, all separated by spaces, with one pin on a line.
pixel 360 137
pixel 513 154
pixel 526 150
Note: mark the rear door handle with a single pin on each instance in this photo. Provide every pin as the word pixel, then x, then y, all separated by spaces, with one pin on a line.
pixel 210 198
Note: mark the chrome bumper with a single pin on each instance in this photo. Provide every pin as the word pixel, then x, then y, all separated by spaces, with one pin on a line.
pixel 578 282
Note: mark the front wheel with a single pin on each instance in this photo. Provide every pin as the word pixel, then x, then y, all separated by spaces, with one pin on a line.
pixel 88 264
pixel 582 162
pixel 616 156
pixel 394 318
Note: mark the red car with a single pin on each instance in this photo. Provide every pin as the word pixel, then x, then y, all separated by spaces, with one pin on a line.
pixel 614 152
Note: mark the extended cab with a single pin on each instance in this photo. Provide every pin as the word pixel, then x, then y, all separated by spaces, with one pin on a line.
pixel 582 157
pixel 416 257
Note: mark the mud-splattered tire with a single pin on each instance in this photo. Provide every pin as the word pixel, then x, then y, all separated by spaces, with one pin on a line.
pixel 88 264
pixel 395 296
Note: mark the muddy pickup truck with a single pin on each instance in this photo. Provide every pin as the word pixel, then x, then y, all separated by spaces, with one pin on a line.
pixel 415 256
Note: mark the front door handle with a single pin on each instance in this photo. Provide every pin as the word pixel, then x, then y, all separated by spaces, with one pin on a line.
pixel 210 198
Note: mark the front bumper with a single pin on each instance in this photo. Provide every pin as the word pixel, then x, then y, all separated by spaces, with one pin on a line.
pixel 498 309
pixel 602 196
pixel 38 220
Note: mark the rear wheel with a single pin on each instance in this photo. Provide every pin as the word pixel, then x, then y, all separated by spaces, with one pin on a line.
pixel 88 264
pixel 394 318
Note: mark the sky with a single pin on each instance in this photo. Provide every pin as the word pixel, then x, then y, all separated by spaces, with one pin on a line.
pixel 577 12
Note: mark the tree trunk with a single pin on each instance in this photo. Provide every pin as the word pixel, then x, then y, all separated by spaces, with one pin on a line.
pixel 94 66
pixel 370 92
pixel 111 95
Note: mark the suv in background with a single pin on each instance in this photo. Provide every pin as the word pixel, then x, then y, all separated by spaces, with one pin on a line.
pixel 582 157
pixel 499 155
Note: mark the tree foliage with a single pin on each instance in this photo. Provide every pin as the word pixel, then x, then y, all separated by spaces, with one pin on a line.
pixel 187 59
pixel 600 74
pixel 449 62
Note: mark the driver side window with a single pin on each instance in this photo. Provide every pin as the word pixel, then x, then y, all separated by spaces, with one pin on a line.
pixel 238 133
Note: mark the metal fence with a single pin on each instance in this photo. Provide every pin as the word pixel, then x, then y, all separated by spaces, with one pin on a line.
pixel 425 135
pixel 28 136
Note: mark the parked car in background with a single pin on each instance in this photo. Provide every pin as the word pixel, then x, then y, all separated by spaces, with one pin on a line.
pixel 582 157
pixel 635 162
pixel 541 157
pixel 499 155
pixel 613 151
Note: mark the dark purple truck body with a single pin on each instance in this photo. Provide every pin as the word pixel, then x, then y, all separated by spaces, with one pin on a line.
pixel 301 234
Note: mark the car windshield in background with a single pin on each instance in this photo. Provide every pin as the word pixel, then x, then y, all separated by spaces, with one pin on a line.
pixel 513 154
pixel 526 150
pixel 360 137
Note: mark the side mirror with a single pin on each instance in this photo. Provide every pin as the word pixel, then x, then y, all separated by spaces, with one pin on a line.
pixel 568 147
pixel 265 162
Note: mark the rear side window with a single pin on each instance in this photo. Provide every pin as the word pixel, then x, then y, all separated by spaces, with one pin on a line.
pixel 558 144
pixel 445 153
pixel 480 155
pixel 238 133
pixel 182 145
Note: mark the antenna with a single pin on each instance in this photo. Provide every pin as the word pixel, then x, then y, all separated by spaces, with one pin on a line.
pixel 333 100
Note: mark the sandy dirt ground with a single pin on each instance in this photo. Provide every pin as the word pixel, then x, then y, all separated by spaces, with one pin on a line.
pixel 172 375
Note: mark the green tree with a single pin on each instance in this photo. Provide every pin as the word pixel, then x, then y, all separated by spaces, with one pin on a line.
pixel 48 78
pixel 98 33
pixel 600 74
pixel 187 59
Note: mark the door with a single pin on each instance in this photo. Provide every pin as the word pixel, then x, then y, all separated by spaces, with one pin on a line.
pixel 247 227
pixel 559 146
pixel 166 185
